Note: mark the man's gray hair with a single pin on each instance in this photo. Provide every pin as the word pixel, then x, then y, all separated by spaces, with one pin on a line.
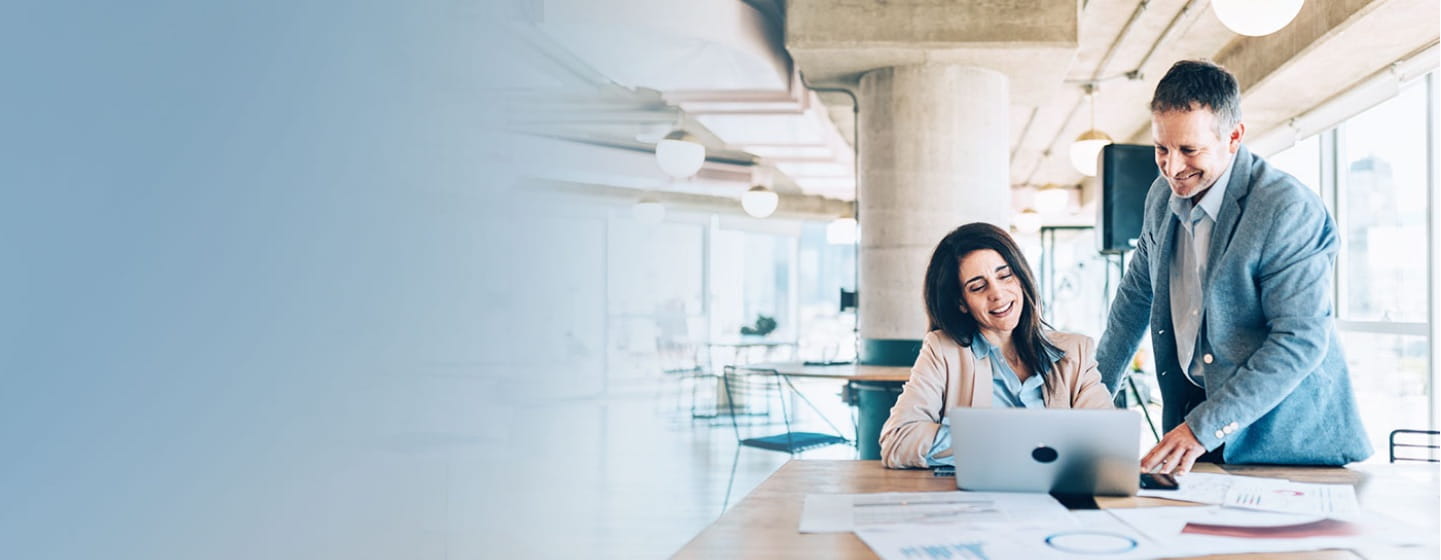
pixel 1193 84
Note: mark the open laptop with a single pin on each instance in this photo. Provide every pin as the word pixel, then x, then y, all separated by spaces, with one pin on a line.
pixel 1060 451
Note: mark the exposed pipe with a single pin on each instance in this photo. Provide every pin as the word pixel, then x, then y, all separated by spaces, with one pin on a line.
pixel 1192 6
pixel 1120 38
pixel 1024 130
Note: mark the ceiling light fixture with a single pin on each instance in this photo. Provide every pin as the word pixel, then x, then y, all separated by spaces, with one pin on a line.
pixel 1255 18
pixel 1028 222
pixel 679 154
pixel 1087 147
pixel 843 230
pixel 760 202
pixel 648 211
pixel 1052 199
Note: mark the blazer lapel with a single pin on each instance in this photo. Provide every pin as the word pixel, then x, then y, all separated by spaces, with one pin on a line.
pixel 1230 215
pixel 980 381
pixel 1161 267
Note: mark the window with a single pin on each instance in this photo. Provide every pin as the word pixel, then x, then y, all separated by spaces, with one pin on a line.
pixel 1381 209
pixel 1379 163
pixel 1302 161
pixel 825 270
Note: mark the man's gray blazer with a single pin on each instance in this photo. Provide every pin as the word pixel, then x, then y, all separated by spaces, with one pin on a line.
pixel 1277 388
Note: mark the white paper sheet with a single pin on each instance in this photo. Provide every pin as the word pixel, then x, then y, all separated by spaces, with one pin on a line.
pixel 1266 494
pixel 1329 500
pixel 1164 526
pixel 836 513
pixel 1204 488
pixel 1097 536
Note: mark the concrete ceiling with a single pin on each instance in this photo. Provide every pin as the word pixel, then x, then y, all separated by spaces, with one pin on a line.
pixel 730 71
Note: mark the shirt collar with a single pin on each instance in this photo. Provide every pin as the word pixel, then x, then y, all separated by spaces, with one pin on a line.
pixel 983 348
pixel 1210 202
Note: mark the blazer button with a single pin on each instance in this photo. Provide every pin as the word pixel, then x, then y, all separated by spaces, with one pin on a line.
pixel 1220 434
pixel 1234 426
pixel 1228 429
pixel 1207 358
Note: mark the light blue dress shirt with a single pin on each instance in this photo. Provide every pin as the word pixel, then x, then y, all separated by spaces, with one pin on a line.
pixel 1188 271
pixel 1007 390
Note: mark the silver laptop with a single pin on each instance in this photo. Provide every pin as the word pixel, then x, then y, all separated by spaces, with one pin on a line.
pixel 1095 452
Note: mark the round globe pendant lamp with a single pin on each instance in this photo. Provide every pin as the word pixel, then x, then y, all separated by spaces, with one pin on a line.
pixel 1087 147
pixel 679 154
pixel 1255 18
pixel 760 202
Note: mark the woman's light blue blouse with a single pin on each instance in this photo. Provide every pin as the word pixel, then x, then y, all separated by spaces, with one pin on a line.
pixel 1007 390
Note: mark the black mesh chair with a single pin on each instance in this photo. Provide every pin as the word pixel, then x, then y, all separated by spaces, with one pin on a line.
pixel 1405 440
pixel 743 388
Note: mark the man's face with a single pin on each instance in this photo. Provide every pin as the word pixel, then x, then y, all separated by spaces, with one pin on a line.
pixel 1189 152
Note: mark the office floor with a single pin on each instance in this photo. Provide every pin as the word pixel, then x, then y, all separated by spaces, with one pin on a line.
pixel 628 474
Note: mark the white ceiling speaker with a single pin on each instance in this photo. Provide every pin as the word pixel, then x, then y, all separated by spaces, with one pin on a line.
pixel 1255 18
pixel 679 154
pixel 760 202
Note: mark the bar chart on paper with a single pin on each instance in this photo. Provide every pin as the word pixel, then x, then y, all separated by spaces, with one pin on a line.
pixel 953 551
pixel 927 543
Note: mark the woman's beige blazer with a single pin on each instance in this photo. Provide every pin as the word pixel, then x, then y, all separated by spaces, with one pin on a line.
pixel 947 375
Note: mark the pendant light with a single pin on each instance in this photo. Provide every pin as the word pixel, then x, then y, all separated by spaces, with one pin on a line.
pixel 1255 18
pixel 760 202
pixel 1087 147
pixel 648 211
pixel 843 230
pixel 1028 222
pixel 679 154
pixel 1052 199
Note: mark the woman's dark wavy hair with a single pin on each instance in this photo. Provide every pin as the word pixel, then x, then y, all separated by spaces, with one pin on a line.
pixel 943 293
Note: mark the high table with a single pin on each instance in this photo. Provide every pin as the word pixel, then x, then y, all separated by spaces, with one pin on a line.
pixel 871 389
pixel 764 524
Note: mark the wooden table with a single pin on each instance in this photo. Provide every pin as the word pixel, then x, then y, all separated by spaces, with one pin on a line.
pixel 764 524
pixel 848 372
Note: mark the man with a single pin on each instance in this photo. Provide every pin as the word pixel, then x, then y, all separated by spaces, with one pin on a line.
pixel 1232 272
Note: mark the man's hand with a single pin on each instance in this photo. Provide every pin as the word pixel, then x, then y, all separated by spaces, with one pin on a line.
pixel 1176 452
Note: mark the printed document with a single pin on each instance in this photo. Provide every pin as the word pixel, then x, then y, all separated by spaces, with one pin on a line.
pixel 838 513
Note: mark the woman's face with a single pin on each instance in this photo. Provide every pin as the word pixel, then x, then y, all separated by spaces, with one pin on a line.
pixel 991 292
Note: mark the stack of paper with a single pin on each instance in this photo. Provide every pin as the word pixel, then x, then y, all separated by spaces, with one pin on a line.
pixel 1266 494
pixel 1248 514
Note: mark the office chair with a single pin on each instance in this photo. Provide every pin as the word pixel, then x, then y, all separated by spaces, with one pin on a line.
pixel 742 385
pixel 1427 439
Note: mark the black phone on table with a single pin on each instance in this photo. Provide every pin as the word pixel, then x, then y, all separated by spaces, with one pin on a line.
pixel 1158 481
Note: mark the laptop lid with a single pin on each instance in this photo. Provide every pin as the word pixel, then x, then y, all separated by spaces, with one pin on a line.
pixel 1095 452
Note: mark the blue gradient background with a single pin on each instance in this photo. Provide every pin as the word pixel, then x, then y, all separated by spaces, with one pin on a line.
pixel 256 265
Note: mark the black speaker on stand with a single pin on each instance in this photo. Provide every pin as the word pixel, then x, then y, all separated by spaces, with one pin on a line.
pixel 1125 175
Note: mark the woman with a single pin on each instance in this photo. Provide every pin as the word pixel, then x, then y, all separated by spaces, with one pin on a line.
pixel 986 347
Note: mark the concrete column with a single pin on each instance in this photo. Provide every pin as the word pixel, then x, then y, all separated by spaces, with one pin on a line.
pixel 934 141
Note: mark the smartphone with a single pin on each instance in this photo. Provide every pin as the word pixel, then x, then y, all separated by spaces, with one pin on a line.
pixel 1158 481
